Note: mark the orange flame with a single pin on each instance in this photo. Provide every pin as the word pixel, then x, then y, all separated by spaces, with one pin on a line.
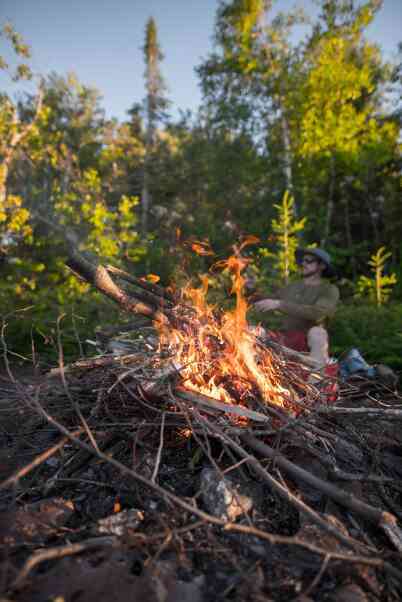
pixel 201 247
pixel 218 351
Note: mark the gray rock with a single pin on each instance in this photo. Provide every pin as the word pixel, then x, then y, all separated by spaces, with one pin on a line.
pixel 386 375
pixel 223 496
pixel 118 524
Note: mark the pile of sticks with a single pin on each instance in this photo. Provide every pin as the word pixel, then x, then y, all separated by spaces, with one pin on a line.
pixel 99 403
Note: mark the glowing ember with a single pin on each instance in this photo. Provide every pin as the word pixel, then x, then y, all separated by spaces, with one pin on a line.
pixel 218 352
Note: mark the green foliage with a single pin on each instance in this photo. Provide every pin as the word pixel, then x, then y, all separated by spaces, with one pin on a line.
pixel 32 332
pixel 59 165
pixel 21 50
pixel 311 119
pixel 333 119
pixel 379 287
pixel 240 25
pixel 286 229
pixel 376 331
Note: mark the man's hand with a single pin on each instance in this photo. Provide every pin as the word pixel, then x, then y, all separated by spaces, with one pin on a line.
pixel 267 304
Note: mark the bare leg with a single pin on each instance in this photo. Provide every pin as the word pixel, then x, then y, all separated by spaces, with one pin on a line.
pixel 317 338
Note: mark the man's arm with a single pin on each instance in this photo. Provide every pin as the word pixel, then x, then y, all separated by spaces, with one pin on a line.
pixel 267 304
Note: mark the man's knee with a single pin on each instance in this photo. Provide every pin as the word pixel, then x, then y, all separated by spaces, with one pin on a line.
pixel 317 335
pixel 317 339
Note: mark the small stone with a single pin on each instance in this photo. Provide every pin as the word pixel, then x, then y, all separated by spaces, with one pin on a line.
pixel 223 497
pixel 117 524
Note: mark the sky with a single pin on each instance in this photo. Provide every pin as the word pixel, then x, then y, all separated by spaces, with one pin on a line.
pixel 101 42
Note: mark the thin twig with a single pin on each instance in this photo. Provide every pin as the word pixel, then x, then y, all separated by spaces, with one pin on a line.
pixel 22 472
pixel 66 389
pixel 5 352
pixel 285 493
pixel 59 552
pixel 160 448
pixel 394 414
pixel 316 580
pixel 381 518
pixel 168 496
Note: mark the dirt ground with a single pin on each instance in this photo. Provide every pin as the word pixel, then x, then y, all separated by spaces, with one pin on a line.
pixel 78 527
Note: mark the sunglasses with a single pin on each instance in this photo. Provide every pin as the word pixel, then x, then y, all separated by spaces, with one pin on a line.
pixel 309 260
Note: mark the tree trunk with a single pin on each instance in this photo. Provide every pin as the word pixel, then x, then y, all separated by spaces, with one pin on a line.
pixel 330 203
pixel 288 159
pixel 372 212
pixel 19 134
pixel 4 169
pixel 349 238
pixel 145 200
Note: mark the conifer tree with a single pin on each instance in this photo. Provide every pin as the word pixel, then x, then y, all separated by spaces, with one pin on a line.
pixel 379 287
pixel 155 106
pixel 286 229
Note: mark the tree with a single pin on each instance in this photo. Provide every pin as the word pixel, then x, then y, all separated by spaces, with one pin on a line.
pixel 14 132
pixel 339 102
pixel 155 106
pixel 286 230
pixel 67 171
pixel 379 287
pixel 315 111
pixel 248 82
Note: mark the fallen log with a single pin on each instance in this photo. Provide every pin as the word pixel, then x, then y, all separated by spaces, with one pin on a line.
pixel 98 276
pixel 154 289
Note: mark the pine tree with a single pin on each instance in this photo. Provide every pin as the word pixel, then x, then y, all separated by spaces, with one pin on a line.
pixel 155 106
pixel 379 287
pixel 286 229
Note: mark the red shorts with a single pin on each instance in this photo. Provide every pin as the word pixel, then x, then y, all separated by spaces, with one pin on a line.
pixel 297 340
pixel 294 339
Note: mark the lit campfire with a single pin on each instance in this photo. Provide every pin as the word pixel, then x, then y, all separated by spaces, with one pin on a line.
pixel 219 358
pixel 218 354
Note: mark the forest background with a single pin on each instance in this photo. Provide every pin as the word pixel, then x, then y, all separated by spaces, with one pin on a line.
pixel 295 143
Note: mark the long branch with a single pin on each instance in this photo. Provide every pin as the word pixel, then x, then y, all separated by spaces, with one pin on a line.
pixel 381 518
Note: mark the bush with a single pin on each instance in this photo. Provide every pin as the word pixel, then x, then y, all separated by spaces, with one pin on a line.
pixel 34 330
pixel 376 331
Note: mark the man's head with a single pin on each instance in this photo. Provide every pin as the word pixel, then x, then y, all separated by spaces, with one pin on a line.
pixel 314 262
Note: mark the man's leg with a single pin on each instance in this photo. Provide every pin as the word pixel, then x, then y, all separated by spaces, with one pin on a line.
pixel 317 339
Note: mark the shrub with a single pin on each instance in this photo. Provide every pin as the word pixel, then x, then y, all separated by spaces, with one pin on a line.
pixel 376 331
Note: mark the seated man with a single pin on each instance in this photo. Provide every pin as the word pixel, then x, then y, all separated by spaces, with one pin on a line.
pixel 305 305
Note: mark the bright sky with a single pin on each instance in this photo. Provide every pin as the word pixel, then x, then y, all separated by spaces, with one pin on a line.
pixel 101 40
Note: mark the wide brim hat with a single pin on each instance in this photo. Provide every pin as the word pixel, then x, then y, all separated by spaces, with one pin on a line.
pixel 321 255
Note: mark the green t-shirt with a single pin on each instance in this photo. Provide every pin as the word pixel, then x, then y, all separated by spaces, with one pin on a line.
pixel 304 306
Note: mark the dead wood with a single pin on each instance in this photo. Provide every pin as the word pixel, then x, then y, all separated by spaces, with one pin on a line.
pixel 140 420
pixel 380 413
pixel 285 492
pixel 157 291
pixel 386 521
pixel 98 276
pixel 213 404
pixel 206 418
pixel 55 553
pixel 302 358
pixel 22 472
